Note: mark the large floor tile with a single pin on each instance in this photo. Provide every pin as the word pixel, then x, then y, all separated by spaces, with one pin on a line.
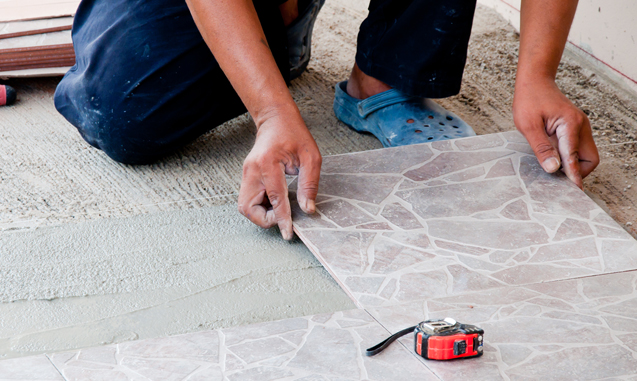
pixel 580 329
pixel 34 368
pixel 320 347
pixel 408 223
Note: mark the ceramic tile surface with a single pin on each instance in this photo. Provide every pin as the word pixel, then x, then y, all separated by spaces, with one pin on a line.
pixel 581 329
pixel 410 223
pixel 321 347
pixel 34 368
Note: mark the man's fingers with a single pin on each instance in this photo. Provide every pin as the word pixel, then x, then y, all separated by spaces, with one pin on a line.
pixel 309 174
pixel 547 155
pixel 256 212
pixel 277 190
pixel 568 135
pixel 570 162
pixel 588 155
pixel 251 200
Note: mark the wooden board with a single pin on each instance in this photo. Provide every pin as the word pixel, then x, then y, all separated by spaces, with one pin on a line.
pixel 18 10
pixel 17 58
pixel 37 57
pixel 33 73
pixel 45 39
pixel 22 26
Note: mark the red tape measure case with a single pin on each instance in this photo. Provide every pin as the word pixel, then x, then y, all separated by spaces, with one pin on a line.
pixel 439 340
pixel 447 339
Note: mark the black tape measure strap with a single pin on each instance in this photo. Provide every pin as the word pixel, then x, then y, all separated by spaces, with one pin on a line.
pixel 376 349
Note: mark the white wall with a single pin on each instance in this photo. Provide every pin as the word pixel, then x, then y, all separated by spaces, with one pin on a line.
pixel 604 33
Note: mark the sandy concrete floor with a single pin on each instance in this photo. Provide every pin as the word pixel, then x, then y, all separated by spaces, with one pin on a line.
pixel 96 252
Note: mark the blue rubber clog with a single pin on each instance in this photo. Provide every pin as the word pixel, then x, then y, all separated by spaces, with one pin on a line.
pixel 300 37
pixel 397 119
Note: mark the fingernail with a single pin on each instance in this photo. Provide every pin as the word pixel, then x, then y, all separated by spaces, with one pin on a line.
pixel 551 165
pixel 310 206
pixel 286 230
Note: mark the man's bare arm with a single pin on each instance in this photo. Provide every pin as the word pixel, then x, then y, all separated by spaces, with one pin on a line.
pixel 232 30
pixel 558 132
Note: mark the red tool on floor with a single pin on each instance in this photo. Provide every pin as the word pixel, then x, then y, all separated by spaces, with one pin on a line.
pixel 440 340
pixel 7 95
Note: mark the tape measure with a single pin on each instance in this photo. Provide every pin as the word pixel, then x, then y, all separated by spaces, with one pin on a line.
pixel 7 95
pixel 440 340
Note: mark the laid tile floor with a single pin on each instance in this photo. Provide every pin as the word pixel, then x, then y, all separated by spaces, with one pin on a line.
pixel 401 224
pixel 472 229
pixel 320 347
pixel 579 329
pixel 475 230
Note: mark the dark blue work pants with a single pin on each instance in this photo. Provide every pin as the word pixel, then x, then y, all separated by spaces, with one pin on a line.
pixel 145 83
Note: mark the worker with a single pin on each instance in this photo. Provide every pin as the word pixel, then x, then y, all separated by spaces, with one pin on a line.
pixel 151 76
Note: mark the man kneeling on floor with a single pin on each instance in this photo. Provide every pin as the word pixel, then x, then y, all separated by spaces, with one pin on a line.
pixel 151 76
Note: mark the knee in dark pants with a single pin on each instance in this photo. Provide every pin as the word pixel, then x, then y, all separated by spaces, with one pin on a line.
pixel 124 139
pixel 145 83
pixel 124 146
pixel 127 149
pixel 132 132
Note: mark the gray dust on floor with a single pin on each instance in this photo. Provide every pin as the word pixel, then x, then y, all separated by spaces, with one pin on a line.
pixel 96 252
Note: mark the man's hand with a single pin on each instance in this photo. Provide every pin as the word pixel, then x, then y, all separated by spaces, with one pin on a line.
pixel 558 132
pixel 283 146
pixel 232 30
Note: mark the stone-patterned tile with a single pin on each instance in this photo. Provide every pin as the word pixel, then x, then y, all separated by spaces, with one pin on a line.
pixel 467 174
pixel 462 199
pixel 501 168
pixel 375 226
pixel 480 142
pixel 344 214
pixel 401 217
pixel 517 210
pixel 395 160
pixel 371 188
pixel 321 347
pixel 311 221
pixel 449 162
pixel 581 329
pixel 474 214
pixel 32 368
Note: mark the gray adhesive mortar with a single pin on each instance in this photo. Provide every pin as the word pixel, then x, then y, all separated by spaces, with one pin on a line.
pixel 111 280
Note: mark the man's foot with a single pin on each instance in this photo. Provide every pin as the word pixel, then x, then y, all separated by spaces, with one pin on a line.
pixel 395 118
pixel 289 11
pixel 362 86
pixel 300 34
